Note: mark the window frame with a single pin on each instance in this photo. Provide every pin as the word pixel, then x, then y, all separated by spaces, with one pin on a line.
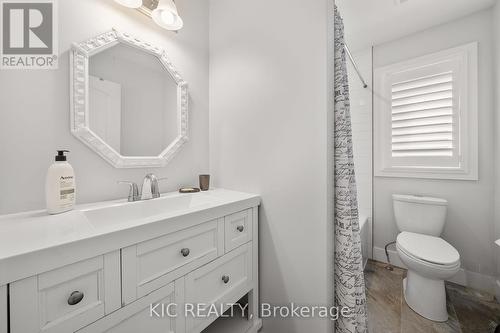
pixel 465 111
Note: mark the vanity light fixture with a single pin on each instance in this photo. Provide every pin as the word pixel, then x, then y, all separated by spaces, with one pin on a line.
pixel 163 12
pixel 166 15
pixel 130 3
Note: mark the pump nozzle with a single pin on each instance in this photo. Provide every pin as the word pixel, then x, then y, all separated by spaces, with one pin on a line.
pixel 60 157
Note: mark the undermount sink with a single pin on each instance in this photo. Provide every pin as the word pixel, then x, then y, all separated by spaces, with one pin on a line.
pixel 142 210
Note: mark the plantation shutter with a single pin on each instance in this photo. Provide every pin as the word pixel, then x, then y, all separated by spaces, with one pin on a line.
pixel 422 116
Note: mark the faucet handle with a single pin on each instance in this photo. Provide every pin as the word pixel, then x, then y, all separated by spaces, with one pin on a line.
pixel 133 194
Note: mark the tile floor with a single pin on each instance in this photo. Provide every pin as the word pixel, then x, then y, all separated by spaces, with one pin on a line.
pixel 470 311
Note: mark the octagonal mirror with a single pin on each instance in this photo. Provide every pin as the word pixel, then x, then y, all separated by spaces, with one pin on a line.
pixel 128 102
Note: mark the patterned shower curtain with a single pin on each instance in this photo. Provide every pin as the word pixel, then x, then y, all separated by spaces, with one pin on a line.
pixel 349 278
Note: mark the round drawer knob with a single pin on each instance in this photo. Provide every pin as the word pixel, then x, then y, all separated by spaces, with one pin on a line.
pixel 185 252
pixel 240 228
pixel 225 278
pixel 75 297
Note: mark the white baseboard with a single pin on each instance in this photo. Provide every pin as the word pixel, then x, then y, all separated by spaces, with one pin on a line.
pixel 463 277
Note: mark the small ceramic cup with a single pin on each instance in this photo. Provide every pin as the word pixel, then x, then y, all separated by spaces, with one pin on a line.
pixel 204 182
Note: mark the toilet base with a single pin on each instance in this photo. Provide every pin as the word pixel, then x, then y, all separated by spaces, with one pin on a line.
pixel 425 296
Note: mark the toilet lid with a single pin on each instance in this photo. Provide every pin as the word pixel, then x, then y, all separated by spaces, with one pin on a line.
pixel 428 248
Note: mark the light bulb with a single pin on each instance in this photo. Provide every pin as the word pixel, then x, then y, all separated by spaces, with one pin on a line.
pixel 168 17
pixel 130 3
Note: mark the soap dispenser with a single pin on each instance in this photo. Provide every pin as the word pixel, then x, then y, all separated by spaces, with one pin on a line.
pixel 60 185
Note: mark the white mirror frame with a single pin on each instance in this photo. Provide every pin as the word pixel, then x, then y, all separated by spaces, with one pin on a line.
pixel 79 78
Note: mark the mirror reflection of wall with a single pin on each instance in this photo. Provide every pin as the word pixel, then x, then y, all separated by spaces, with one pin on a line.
pixel 133 101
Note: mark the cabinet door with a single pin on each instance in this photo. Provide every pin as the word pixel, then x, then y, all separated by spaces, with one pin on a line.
pixel 68 298
pixel 3 309
pixel 150 314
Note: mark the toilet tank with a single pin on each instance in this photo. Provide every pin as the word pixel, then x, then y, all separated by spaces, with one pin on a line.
pixel 419 214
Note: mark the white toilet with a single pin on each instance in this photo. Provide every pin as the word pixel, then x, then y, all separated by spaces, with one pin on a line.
pixel 429 258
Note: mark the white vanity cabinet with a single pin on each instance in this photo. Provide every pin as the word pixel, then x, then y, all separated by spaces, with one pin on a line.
pixel 122 272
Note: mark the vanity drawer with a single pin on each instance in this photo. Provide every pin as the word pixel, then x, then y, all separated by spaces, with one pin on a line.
pixel 150 314
pixel 150 265
pixel 68 298
pixel 220 282
pixel 238 229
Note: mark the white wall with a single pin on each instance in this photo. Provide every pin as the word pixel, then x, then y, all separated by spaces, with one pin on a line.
pixel 269 135
pixel 361 119
pixel 496 20
pixel 34 105
pixel 471 208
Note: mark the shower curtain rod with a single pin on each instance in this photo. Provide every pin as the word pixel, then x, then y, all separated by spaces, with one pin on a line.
pixel 353 62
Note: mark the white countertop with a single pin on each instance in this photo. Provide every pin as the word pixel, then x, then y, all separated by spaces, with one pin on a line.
pixel 31 234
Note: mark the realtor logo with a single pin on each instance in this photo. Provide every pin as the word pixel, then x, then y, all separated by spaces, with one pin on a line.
pixel 29 34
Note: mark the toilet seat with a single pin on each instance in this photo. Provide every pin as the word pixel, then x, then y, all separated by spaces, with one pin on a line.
pixel 431 250
pixel 426 267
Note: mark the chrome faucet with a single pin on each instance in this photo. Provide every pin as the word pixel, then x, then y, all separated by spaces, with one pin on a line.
pixel 149 190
